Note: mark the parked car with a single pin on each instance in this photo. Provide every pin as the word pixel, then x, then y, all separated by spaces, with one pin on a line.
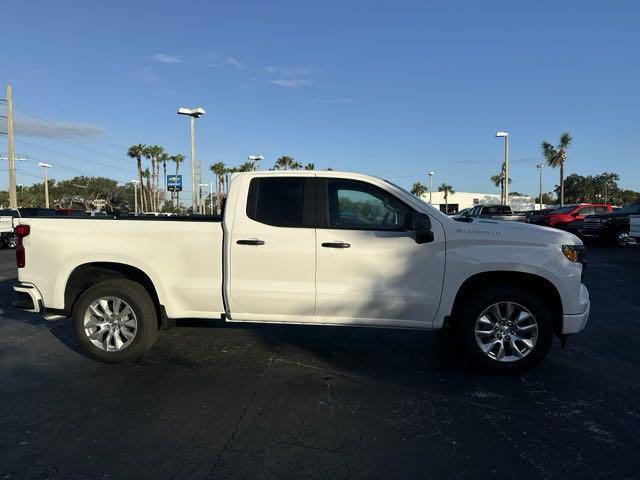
pixel 71 212
pixel 575 227
pixel 494 212
pixel 320 248
pixel 561 217
pixel 612 227
pixel 538 217
pixel 8 238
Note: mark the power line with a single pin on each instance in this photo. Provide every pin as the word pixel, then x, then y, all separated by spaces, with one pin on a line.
pixel 74 156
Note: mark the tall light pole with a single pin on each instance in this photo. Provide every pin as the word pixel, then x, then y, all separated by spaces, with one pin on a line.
pixel 45 167
pixel 431 174
pixel 505 135
pixel 193 113
pixel 540 167
pixel 203 207
pixel 135 195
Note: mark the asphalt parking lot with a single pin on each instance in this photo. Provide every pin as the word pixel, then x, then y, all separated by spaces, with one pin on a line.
pixel 326 403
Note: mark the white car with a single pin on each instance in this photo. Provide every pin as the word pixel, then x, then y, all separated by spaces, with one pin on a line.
pixel 317 248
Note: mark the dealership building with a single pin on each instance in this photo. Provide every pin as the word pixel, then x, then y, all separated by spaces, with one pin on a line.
pixel 460 200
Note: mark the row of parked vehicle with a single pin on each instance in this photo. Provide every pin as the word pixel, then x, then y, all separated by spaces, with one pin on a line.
pixel 597 221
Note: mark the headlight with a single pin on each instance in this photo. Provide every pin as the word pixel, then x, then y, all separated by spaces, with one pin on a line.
pixel 574 253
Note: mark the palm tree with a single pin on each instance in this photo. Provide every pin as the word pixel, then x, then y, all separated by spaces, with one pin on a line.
pixel 498 181
pixel 164 158
pixel 286 163
pixel 418 189
pixel 146 174
pixel 177 159
pixel 249 166
pixel 310 166
pixel 137 152
pixel 556 156
pixel 153 153
pixel 447 189
pixel 219 170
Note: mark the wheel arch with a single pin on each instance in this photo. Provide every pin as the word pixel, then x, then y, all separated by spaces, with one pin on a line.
pixel 86 275
pixel 532 282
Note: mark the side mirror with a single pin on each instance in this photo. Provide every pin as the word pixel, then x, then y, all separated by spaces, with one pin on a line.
pixel 421 224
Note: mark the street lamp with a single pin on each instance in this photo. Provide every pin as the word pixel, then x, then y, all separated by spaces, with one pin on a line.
pixel 135 194
pixel 193 113
pixel 45 167
pixel 202 205
pixel 505 135
pixel 255 158
pixel 540 166
pixel 431 174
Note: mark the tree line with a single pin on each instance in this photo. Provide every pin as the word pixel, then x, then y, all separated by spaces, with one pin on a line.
pixel 572 189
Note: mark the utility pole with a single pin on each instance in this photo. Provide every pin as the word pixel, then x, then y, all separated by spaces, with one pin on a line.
pixel 13 198
pixel 46 167
pixel 505 135
pixel 135 195
pixel 211 197
pixel 540 167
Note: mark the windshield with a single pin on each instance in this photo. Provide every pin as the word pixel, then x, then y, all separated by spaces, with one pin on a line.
pixel 566 209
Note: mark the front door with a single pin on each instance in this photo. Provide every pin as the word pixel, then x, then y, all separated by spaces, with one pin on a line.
pixel 369 270
pixel 272 251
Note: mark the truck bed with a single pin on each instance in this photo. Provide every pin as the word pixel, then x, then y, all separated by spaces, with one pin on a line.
pixel 182 256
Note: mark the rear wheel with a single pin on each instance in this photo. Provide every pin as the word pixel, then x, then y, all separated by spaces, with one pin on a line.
pixel 115 321
pixel 621 238
pixel 505 329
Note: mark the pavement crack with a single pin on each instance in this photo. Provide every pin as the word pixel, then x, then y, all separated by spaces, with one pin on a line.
pixel 245 409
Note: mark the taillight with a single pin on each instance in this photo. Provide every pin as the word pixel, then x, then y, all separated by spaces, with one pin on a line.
pixel 21 231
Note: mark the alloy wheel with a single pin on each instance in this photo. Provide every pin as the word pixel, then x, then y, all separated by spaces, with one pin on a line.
pixel 506 331
pixel 110 324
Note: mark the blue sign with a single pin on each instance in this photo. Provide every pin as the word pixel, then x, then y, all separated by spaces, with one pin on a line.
pixel 174 183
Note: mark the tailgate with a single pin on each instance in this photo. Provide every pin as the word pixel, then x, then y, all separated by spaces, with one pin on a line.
pixel 6 224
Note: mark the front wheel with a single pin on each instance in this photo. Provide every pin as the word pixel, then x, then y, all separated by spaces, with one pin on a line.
pixel 505 329
pixel 621 238
pixel 115 321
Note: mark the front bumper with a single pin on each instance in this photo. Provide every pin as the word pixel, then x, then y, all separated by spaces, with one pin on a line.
pixel 28 298
pixel 576 322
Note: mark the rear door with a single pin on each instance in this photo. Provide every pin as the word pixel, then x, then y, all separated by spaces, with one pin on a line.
pixel 369 270
pixel 272 261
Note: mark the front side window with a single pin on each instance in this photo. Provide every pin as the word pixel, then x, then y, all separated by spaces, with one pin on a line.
pixel 277 201
pixel 360 206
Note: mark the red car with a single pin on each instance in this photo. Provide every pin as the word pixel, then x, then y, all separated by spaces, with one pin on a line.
pixel 562 216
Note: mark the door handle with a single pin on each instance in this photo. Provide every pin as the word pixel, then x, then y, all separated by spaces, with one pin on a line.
pixel 336 245
pixel 253 241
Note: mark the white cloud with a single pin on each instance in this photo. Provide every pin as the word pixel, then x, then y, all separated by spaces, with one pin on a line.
pixel 26 127
pixel 288 71
pixel 215 61
pixel 164 58
pixel 292 82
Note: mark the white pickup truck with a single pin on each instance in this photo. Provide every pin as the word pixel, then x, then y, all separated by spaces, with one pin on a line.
pixel 318 248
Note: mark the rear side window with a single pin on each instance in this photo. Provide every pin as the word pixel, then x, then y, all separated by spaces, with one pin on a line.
pixel 281 201
pixel 601 210
pixel 496 210
pixel 586 211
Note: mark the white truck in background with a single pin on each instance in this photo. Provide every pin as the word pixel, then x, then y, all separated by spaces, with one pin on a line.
pixel 319 248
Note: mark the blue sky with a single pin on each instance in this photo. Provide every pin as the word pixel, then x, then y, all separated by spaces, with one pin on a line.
pixel 395 89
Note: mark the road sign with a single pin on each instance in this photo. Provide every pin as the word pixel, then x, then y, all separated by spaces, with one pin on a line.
pixel 174 183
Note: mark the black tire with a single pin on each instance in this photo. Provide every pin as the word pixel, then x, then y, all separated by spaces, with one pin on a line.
pixel 143 307
pixel 621 237
pixel 478 302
